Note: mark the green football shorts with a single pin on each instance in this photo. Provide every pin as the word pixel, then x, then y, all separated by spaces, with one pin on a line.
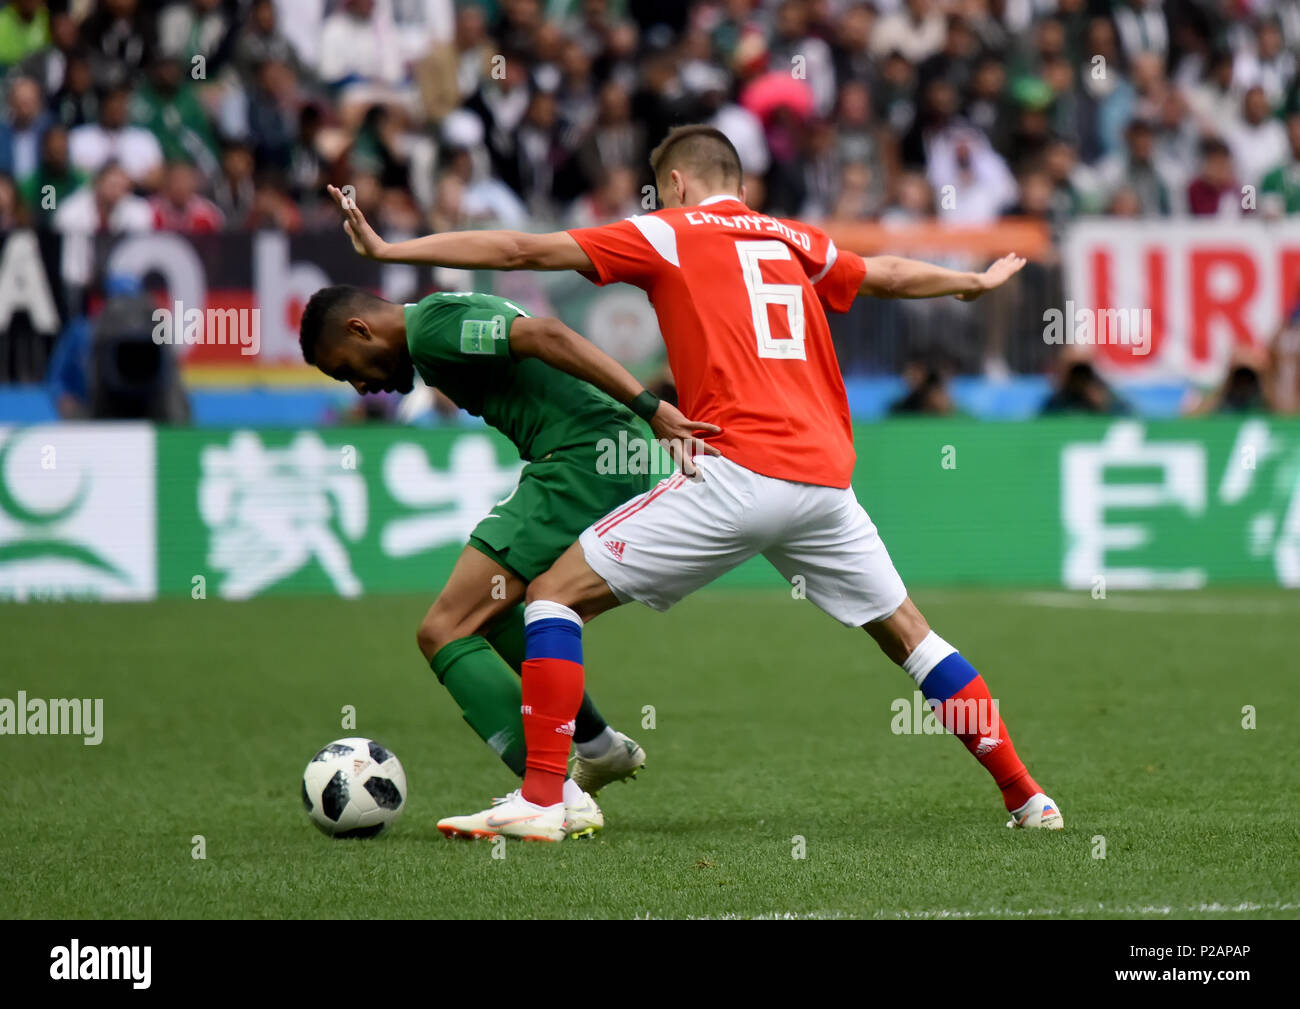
pixel 557 497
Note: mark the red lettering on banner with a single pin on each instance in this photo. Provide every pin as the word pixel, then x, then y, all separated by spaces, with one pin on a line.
pixel 1118 348
pixel 1157 299
pixel 1206 306
pixel 1288 282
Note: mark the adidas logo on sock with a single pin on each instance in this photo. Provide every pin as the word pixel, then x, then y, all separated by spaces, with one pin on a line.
pixel 987 745
pixel 567 728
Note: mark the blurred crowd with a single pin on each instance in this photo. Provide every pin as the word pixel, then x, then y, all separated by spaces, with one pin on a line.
pixel 200 115
pixel 225 115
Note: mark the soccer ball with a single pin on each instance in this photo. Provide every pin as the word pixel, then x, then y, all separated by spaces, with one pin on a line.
pixel 354 788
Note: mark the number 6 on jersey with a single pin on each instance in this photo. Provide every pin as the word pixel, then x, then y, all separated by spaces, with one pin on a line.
pixel 763 294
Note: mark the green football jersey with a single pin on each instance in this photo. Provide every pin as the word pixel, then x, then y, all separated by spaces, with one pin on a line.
pixel 460 344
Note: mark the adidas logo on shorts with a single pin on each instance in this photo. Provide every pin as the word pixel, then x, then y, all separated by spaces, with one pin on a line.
pixel 616 548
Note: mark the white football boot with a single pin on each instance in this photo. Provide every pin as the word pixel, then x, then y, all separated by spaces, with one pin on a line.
pixel 620 762
pixel 584 818
pixel 1039 813
pixel 511 816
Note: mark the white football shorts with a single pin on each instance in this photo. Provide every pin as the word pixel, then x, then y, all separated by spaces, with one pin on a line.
pixel 660 547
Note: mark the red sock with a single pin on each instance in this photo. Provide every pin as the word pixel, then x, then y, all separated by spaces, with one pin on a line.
pixel 552 694
pixel 977 723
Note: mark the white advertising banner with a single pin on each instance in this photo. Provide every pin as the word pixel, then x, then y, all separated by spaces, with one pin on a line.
pixel 1202 287
pixel 78 512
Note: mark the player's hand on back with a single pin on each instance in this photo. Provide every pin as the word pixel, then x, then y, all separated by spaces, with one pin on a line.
pixel 995 276
pixel 364 238
pixel 682 435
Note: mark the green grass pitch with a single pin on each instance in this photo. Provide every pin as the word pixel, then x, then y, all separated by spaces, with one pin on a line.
pixel 771 723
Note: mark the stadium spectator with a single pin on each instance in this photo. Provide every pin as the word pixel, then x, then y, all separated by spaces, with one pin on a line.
pixel 1215 100
pixel 306 163
pixel 973 181
pixel 1080 389
pixel 54 180
pixel 1137 170
pixel 1246 387
pixel 927 392
pixel 113 138
pixel 260 40
pixel 851 44
pixel 48 65
pixel 1142 27
pixel 474 49
pixel 1267 64
pixel 302 21
pixel 360 59
pixel 104 205
pixel 24 29
pixel 11 206
pixel 1214 191
pixel 809 57
pixel 22 129
pixel 76 102
pixel 615 139
pixel 119 35
pixel 615 198
pixel 1070 181
pixel 864 149
pixel 66 379
pixel 473 195
pixel 1257 139
pixel 917 32
pixel 191 28
pixel 1280 188
pixel 274 107
pixel 273 208
pixel 234 191
pixel 167 105
pixel 180 207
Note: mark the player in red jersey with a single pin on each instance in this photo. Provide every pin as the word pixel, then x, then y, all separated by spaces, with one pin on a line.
pixel 741 299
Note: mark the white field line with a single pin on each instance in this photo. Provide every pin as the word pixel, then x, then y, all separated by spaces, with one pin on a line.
pixel 1082 600
pixel 1145 910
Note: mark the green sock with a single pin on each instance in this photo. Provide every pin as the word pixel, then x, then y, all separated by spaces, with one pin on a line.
pixel 507 637
pixel 488 694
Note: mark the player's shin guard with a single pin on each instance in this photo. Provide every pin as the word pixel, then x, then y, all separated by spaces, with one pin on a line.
pixel 507 636
pixel 552 694
pixel 487 692
pixel 962 703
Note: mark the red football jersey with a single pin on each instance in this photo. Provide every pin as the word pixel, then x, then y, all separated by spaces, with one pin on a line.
pixel 741 301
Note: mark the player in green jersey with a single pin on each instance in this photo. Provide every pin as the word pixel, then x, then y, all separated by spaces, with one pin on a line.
pixel 561 401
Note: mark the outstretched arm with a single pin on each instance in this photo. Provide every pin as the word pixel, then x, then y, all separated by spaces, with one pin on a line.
pixel 552 341
pixel 896 277
pixel 466 250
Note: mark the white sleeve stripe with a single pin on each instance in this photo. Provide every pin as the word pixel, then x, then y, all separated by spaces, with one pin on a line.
pixel 832 254
pixel 659 233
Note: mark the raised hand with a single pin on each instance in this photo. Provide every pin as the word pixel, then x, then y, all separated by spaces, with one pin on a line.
pixel 364 238
pixel 995 276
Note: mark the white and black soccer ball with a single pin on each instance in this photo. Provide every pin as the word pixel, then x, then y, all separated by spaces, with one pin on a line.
pixel 354 788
